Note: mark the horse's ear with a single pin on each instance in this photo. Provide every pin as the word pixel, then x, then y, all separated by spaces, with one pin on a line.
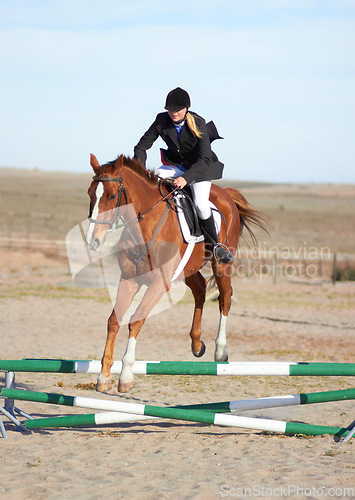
pixel 119 161
pixel 94 163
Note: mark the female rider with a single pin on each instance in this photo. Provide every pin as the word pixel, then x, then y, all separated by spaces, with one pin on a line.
pixel 188 159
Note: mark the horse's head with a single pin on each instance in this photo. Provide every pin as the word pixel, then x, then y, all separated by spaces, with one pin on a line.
pixel 105 194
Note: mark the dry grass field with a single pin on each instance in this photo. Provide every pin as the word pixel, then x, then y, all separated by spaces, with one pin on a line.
pixel 50 204
pixel 42 314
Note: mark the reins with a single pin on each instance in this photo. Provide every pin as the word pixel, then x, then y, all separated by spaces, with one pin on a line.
pixel 138 255
pixel 141 214
pixel 122 190
pixel 112 222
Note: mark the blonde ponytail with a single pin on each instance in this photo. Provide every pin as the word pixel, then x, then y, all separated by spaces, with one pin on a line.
pixel 190 120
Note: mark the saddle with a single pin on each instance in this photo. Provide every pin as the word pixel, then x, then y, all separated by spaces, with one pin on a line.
pixel 187 212
pixel 187 215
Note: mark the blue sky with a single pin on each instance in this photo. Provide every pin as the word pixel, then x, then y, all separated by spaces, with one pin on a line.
pixel 276 76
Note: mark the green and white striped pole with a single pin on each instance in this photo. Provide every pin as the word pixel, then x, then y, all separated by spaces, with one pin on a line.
pixel 180 413
pixel 193 416
pixel 250 368
pixel 220 419
pixel 276 401
pixel 189 415
pixel 221 407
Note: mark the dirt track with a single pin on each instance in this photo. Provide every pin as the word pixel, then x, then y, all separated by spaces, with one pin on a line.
pixel 43 314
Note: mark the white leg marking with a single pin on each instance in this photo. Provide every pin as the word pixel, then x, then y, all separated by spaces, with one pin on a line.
pixel 98 193
pixel 221 340
pixel 128 361
pixel 102 379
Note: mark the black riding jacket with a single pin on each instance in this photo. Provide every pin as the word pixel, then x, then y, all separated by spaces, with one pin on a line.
pixel 195 154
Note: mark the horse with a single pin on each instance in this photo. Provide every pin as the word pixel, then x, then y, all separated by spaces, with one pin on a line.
pixel 152 251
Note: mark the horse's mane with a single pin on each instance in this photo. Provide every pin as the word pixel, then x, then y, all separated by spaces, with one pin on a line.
pixel 135 166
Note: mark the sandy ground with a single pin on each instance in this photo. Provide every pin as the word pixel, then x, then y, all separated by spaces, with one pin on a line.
pixel 44 315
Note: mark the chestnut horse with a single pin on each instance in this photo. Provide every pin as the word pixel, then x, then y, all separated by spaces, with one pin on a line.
pixel 148 254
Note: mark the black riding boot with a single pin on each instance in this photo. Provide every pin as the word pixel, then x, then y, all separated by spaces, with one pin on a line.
pixel 220 251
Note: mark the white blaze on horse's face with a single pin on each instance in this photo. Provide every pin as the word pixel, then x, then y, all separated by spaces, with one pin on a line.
pixel 95 212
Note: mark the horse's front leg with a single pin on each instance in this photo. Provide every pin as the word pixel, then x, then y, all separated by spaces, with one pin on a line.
pixel 197 284
pixel 156 289
pixel 222 275
pixel 125 293
pixel 126 381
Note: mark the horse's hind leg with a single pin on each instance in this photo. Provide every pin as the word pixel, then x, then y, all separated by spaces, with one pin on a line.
pixel 197 284
pixel 222 274
pixel 125 293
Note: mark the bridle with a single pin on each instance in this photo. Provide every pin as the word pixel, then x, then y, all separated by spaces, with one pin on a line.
pixel 121 192
pixel 137 253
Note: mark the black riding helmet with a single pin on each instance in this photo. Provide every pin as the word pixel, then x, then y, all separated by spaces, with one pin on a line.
pixel 177 99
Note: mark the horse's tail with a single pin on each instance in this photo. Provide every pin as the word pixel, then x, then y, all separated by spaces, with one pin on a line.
pixel 248 215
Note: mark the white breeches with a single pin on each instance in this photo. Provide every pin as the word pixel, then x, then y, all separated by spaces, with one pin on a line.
pixel 200 190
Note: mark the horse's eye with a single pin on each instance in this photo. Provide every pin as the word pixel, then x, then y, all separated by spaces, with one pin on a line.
pixel 112 197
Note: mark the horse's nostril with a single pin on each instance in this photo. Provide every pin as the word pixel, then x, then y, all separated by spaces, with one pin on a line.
pixel 94 245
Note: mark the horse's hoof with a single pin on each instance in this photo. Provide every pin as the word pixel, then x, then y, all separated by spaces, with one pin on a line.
pixel 103 384
pixel 223 358
pixel 201 352
pixel 125 386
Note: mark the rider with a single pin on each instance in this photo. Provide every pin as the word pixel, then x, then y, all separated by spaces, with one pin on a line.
pixel 188 159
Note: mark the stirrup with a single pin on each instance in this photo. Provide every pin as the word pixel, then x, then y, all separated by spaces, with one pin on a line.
pixel 222 254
